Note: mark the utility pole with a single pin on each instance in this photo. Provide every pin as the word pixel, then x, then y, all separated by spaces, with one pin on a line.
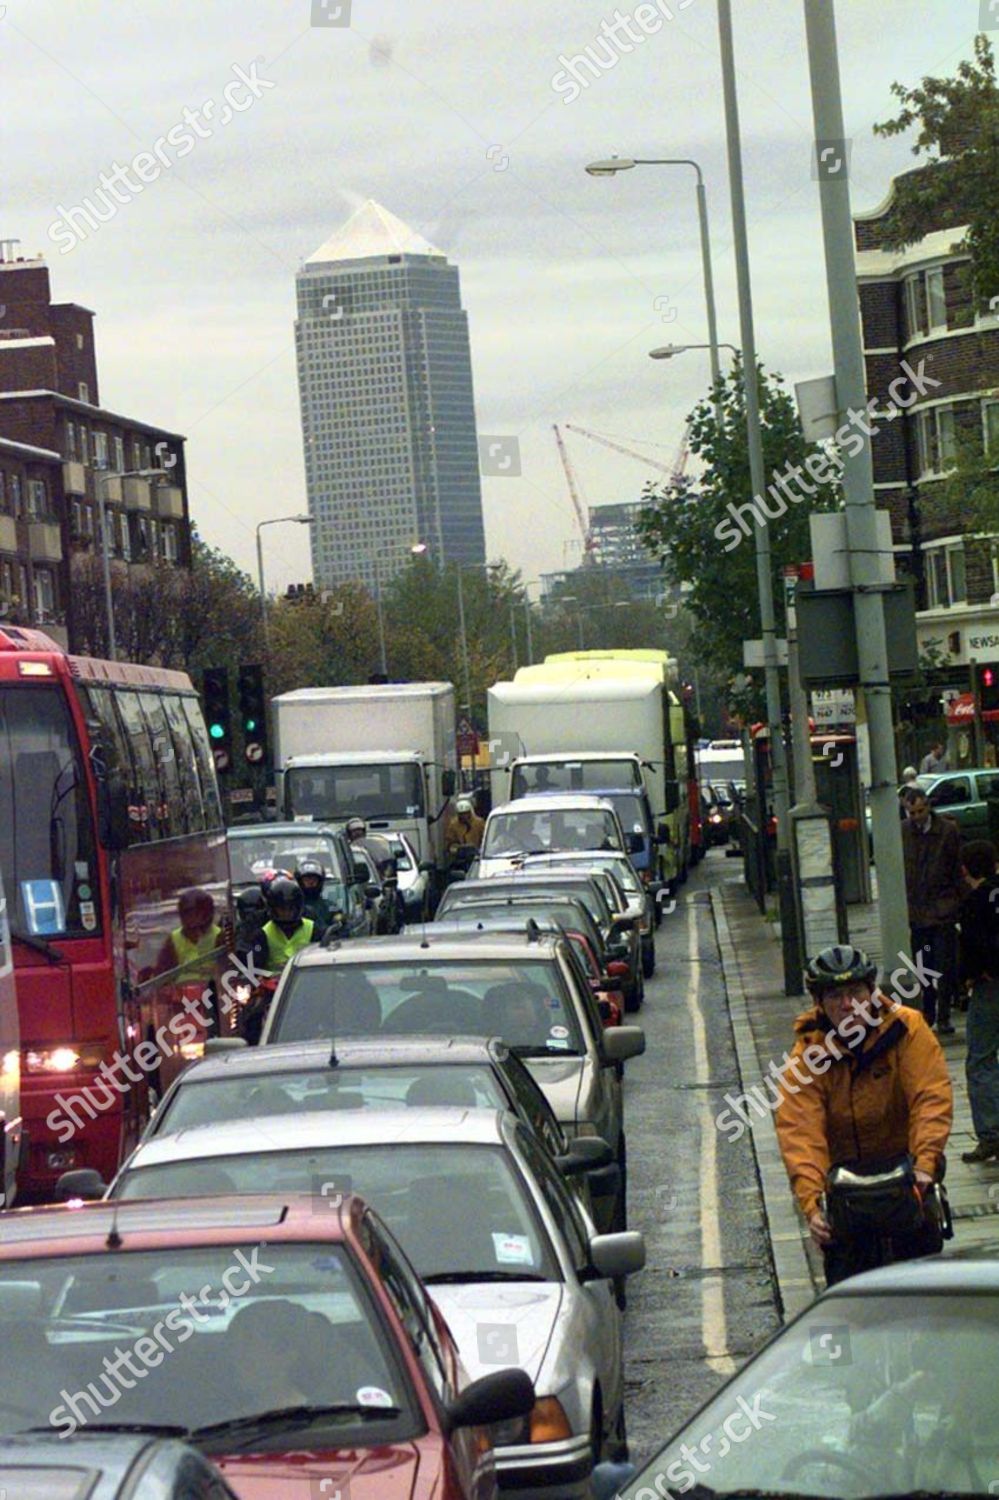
pixel 788 913
pixel 866 576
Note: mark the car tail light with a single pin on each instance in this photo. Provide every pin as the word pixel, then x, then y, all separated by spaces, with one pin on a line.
pixel 617 969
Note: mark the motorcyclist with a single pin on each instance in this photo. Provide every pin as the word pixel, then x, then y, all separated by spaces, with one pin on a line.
pixel 251 914
pixel 464 830
pixel 355 829
pixel 311 878
pixel 287 929
pixel 866 1083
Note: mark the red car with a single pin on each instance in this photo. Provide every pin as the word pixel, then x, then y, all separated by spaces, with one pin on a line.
pixel 288 1339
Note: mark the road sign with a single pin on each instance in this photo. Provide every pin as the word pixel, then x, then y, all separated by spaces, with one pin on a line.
pixel 467 739
pixel 242 794
pixel 254 753
pixel 221 759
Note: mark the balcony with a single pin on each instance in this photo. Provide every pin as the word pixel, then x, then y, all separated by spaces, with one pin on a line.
pixel 44 541
pixel 137 494
pixel 108 485
pixel 8 534
pixel 74 478
pixel 169 502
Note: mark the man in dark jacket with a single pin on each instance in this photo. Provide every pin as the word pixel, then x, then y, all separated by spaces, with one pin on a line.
pixel 980 969
pixel 931 846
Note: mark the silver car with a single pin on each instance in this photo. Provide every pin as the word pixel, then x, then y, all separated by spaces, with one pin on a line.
pixel 511 1259
pixel 531 992
pixel 543 823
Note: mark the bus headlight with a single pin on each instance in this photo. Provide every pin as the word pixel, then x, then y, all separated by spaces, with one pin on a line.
pixel 59 1059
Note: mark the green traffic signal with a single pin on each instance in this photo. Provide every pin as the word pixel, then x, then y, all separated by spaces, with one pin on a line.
pixel 250 725
pixel 217 732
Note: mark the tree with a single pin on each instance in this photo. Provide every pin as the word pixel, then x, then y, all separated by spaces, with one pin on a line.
pixel 958 134
pixel 689 519
pixel 970 491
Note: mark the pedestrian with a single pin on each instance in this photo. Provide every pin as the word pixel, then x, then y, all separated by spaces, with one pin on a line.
pixel 935 760
pixel 931 847
pixel 866 1083
pixel 980 969
pixel 909 776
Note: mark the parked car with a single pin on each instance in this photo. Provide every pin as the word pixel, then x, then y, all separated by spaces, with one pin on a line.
pixel 43 1466
pixel 479 1207
pixel 415 879
pixel 293 1342
pixel 546 822
pixel 530 993
pixel 880 1387
pixel 258 847
pixel 963 795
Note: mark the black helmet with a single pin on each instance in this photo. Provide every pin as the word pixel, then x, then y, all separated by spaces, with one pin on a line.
pixel 251 901
pixel 840 964
pixel 285 891
pixel 310 869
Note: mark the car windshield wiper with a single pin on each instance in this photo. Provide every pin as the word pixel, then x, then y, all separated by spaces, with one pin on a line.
pixel 168 1429
pixel 301 1415
pixel 443 1278
pixel 519 1051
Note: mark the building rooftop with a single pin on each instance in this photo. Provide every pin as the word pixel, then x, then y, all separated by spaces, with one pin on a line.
pixel 372 231
pixel 87 408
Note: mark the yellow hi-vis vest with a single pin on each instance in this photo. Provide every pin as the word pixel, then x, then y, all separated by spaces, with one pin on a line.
pixel 281 947
pixel 188 953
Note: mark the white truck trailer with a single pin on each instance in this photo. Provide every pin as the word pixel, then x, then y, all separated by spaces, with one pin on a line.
pixel 385 753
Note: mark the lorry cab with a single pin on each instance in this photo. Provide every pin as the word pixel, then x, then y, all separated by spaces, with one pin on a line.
pixel 387 788
pixel 10 1066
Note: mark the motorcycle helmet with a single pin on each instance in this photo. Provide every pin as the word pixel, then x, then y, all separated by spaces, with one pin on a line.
pixel 285 899
pixel 463 805
pixel 840 964
pixel 250 903
pixel 310 876
pixel 356 828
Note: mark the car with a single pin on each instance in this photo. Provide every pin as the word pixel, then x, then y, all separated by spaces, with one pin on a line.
pixel 476 1202
pixel 640 897
pixel 377 881
pixel 286 1337
pixel 597 889
pixel 963 796
pixel 717 813
pixel 258 847
pixel 879 1387
pixel 42 1466
pixel 529 992
pixel 415 879
pixel 302 1077
pixel 546 822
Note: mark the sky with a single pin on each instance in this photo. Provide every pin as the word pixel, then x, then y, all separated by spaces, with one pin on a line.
pixel 454 117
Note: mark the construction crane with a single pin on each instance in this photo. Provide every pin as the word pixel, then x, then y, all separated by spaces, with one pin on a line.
pixel 595 437
pixel 582 514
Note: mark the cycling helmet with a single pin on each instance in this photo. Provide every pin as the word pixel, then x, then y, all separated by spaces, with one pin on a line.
pixel 311 870
pixel 285 894
pixel 840 964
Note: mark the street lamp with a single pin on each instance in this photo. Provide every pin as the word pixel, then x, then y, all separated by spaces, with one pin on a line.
pixel 102 477
pixel 615 164
pixel 667 351
pixel 274 521
pixel 417 549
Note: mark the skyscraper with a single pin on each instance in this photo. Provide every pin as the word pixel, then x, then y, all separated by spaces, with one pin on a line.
pixel 388 413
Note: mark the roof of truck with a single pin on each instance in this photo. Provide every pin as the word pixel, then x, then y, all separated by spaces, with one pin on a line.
pixel 387 690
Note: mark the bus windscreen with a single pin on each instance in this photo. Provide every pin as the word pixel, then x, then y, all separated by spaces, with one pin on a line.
pixel 47 846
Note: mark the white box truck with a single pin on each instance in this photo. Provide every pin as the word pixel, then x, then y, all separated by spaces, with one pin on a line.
pixel 385 753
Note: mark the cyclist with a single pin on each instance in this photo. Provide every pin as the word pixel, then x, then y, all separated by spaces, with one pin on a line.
pixel 866 1085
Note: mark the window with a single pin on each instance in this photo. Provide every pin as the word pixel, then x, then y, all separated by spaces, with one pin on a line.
pixel 44 594
pixel 950 792
pixel 945 575
pixel 144 798
pixel 169 543
pixel 84 391
pixel 990 422
pixel 16 508
pixel 206 765
pixel 70 439
pixel 119 453
pixel 3 495
pixel 936 440
pixel 100 450
pixel 560 1205
pixel 84 451
pixel 172 811
pixel 126 540
pixel 38 499
pixel 186 762
pixel 936 303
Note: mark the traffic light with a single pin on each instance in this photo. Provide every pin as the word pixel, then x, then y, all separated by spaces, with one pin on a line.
pixel 216 695
pixel 252 712
pixel 988 687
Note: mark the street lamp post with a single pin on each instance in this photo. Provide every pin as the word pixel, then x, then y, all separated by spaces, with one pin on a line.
pixel 464 642
pixel 623 164
pixel 274 521
pixel 778 760
pixel 416 550
pixel 102 478
pixel 668 351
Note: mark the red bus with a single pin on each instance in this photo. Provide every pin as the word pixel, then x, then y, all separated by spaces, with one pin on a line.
pixel 109 813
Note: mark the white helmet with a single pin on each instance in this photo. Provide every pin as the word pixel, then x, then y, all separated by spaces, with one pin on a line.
pixel 463 805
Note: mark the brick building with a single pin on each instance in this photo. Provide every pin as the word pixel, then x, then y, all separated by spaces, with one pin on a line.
pixel 917 305
pixel 60 449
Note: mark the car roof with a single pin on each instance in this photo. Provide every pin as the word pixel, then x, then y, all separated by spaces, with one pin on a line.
pixel 564 756
pixel 524 878
pixel 351 1052
pixel 404 947
pixel 544 801
pixel 977 1271
pixel 501 918
pixel 435 1125
pixel 281 830
pixel 163 1221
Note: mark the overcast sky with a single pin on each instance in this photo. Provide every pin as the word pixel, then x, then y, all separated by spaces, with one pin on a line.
pixel 448 116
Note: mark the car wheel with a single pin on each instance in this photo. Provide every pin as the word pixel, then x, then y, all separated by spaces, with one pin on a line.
pixel 648 959
pixel 637 995
pixel 620 1444
pixel 597 1428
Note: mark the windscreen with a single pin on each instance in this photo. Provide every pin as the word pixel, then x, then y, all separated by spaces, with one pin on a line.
pixel 867 1396
pixel 575 776
pixel 720 766
pixel 411 1086
pixel 251 855
pixel 335 793
pixel 47 842
pixel 459 1211
pixel 562 828
pixel 524 1002
pixel 209 1334
pixel 469 893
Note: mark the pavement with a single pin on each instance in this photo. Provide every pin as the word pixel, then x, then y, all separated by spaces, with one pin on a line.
pixel 762 1019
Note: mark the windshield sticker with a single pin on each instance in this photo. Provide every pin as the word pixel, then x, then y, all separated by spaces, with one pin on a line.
pixel 512 1249
pixel 373 1395
pixel 42 901
pixel 559 1031
pixel 558 1043
pixel 553 1002
pixel 412 812
pixel 81 869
